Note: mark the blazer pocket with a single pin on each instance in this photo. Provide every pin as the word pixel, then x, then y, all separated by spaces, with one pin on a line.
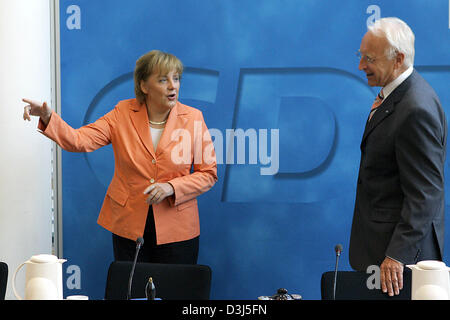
pixel 186 204
pixel 118 194
pixel 385 215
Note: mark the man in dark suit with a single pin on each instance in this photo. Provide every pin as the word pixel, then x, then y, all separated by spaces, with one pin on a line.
pixel 399 208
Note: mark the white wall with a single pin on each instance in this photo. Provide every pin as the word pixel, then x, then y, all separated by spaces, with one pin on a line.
pixel 25 155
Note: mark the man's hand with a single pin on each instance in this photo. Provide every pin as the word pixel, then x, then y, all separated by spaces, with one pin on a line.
pixel 391 276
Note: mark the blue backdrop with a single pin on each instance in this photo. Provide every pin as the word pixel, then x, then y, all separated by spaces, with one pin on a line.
pixel 284 71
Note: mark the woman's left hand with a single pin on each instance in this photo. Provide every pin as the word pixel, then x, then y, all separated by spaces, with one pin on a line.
pixel 157 192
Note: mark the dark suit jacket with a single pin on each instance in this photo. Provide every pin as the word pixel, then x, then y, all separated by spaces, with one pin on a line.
pixel 399 207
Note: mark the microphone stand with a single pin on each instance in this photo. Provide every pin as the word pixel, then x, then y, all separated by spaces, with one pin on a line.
pixel 139 241
pixel 338 250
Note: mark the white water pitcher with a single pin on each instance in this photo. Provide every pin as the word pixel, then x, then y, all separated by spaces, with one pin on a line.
pixel 430 280
pixel 43 278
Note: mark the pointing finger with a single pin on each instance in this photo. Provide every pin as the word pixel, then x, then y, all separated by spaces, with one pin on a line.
pixel 31 102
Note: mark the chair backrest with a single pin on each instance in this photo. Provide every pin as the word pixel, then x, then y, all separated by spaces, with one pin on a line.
pixel 3 279
pixel 172 281
pixel 352 285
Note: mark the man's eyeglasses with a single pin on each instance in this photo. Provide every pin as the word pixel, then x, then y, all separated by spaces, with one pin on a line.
pixel 365 57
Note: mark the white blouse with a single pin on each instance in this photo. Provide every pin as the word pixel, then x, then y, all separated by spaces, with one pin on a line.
pixel 156 135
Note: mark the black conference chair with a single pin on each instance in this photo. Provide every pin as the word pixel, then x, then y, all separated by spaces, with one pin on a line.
pixel 3 279
pixel 172 281
pixel 352 285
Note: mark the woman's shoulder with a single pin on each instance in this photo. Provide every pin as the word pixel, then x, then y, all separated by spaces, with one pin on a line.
pixel 185 109
pixel 129 104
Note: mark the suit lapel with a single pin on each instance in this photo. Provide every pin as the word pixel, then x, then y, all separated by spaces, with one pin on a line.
pixel 176 120
pixel 139 118
pixel 383 111
pixel 386 108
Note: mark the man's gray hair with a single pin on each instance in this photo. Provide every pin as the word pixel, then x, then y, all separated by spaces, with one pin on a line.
pixel 399 35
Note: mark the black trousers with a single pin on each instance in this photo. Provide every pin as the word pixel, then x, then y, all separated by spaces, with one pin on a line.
pixel 183 252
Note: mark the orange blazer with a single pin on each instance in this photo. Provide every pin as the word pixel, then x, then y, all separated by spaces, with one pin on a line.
pixel 184 144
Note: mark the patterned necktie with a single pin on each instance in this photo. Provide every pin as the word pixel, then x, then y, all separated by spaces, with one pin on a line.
pixel 376 104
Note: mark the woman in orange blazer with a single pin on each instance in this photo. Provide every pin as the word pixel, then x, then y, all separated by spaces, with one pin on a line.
pixel 156 141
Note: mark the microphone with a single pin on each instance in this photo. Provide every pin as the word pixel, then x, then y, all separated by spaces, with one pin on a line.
pixel 139 243
pixel 338 250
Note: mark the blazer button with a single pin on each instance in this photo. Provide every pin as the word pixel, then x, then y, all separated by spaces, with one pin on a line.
pixel 153 161
pixel 152 180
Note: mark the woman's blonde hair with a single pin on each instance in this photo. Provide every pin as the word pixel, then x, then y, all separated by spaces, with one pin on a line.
pixel 151 62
